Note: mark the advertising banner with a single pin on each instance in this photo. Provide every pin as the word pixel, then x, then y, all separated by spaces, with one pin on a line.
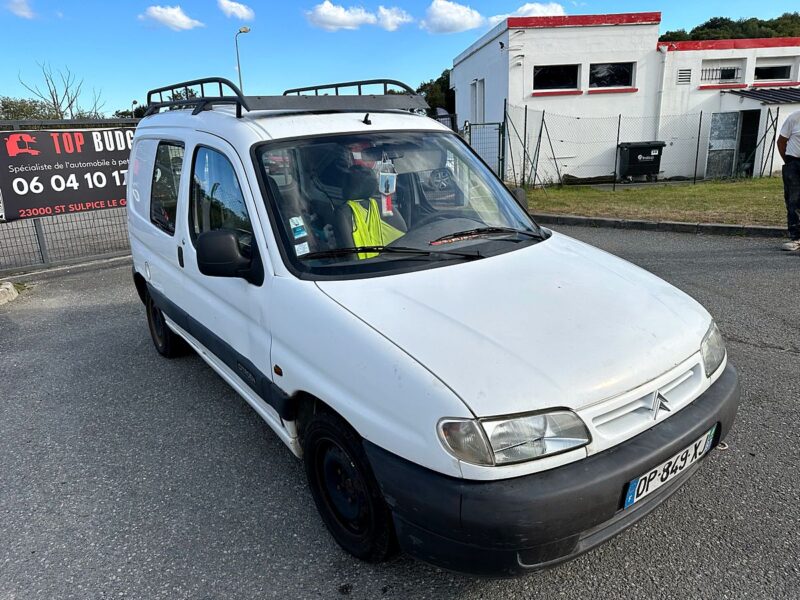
pixel 64 171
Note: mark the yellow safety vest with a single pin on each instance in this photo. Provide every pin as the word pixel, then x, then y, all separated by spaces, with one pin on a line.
pixel 369 229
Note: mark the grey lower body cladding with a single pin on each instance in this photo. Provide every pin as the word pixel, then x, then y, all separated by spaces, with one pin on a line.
pixel 251 375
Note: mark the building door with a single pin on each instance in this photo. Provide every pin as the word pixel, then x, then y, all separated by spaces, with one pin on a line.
pixel 722 143
pixel 748 143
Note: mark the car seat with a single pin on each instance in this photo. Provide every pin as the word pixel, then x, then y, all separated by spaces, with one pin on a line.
pixel 360 184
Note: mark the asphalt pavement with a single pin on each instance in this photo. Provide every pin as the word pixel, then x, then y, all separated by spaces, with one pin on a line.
pixel 126 475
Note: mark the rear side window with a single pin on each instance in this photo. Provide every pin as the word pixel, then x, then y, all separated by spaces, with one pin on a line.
pixel 166 183
pixel 216 200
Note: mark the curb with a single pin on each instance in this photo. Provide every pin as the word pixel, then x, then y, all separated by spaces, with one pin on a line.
pixel 36 274
pixel 7 292
pixel 672 226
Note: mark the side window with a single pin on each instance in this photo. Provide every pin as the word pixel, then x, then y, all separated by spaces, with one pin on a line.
pixel 166 183
pixel 216 200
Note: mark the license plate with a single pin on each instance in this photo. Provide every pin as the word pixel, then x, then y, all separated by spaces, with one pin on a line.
pixel 669 470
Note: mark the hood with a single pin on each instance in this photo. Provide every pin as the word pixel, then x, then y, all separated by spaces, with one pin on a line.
pixel 555 324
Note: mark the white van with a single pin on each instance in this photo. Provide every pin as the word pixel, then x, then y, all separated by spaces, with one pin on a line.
pixel 483 393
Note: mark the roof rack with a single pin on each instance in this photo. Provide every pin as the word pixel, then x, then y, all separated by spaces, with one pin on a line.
pixel 349 84
pixel 296 99
pixel 187 96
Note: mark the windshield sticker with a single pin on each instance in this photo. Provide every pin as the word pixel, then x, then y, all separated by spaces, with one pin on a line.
pixel 297 227
pixel 301 249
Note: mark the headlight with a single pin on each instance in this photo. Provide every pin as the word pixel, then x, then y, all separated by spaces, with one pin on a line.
pixel 511 440
pixel 713 349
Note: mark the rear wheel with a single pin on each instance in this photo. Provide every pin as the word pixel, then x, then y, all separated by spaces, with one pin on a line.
pixel 166 341
pixel 345 491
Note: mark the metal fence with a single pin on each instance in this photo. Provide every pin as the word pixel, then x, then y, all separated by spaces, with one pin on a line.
pixel 488 141
pixel 48 241
pixel 449 120
pixel 538 148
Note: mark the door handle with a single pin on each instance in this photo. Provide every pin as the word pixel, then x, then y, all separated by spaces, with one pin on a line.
pixel 180 256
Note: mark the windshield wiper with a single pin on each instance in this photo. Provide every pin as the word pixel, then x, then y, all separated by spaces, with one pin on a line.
pixel 336 252
pixel 482 231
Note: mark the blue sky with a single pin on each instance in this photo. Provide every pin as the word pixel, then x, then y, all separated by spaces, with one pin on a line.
pixel 124 47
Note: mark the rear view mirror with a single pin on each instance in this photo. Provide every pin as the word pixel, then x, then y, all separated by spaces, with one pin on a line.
pixel 219 255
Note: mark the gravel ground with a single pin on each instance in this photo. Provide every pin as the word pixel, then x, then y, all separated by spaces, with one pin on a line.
pixel 126 475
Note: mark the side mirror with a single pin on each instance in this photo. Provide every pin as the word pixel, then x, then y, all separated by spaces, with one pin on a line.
pixel 521 196
pixel 219 255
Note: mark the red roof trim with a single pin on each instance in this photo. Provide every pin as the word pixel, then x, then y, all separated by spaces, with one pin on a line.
pixel 731 44
pixel 723 86
pixel 625 90
pixel 642 18
pixel 558 93
pixel 775 84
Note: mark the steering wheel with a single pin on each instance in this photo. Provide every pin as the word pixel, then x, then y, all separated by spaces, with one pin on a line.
pixel 441 179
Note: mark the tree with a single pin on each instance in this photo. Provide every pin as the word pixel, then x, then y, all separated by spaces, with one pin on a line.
pixel 138 113
pixel 13 109
pixel 723 28
pixel 61 92
pixel 437 92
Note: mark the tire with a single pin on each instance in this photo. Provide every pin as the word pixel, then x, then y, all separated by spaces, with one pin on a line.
pixel 166 341
pixel 345 491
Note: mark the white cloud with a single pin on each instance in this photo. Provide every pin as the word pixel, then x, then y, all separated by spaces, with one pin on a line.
pixel 532 9
pixel 236 9
pixel 170 16
pixel 21 8
pixel 444 16
pixel 392 18
pixel 332 17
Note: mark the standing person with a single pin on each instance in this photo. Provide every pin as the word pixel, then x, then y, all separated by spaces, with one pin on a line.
pixel 789 148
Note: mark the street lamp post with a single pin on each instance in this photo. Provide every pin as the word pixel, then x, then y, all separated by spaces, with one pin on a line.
pixel 242 30
pixel 133 107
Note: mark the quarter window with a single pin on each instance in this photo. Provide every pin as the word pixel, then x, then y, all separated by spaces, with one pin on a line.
pixel 605 75
pixel 216 200
pixel 555 77
pixel 166 183
pixel 777 72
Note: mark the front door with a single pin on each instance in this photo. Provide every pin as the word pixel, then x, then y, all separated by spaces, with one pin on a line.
pixel 227 315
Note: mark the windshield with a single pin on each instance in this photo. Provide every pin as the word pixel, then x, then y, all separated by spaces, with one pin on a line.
pixel 382 202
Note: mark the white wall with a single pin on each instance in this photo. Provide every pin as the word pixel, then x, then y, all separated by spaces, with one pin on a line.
pixel 585 148
pixel 584 46
pixel 483 60
pixel 681 99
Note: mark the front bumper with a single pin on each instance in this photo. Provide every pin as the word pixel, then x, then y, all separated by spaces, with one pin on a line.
pixel 513 526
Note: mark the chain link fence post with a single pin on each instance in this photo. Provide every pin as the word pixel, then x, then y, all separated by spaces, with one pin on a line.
pixel 772 158
pixel 524 142
pixel 616 155
pixel 537 152
pixel 502 158
pixel 697 151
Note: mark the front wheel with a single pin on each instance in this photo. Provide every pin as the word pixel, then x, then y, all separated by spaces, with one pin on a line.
pixel 345 491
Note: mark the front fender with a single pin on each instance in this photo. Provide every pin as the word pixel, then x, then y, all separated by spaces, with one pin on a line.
pixel 387 397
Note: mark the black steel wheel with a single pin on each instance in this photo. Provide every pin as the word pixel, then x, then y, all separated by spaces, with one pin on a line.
pixel 347 496
pixel 166 341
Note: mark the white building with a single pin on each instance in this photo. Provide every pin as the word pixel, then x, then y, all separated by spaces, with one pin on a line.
pixel 585 71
